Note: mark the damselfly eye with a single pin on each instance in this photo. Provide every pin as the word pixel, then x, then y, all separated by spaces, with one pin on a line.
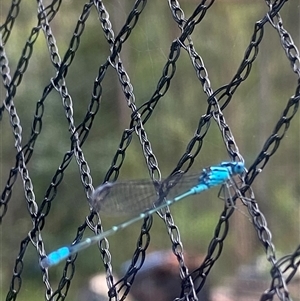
pixel 239 168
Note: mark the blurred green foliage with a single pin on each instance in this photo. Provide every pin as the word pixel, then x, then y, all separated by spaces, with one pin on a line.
pixel 221 39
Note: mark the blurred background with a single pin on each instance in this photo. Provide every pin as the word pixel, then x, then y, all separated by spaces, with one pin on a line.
pixel 221 39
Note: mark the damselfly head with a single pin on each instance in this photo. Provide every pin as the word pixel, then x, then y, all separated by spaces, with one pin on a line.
pixel 234 168
pixel 238 168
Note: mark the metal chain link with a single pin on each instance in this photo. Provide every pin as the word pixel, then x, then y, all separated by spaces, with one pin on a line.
pixel 265 236
pixel 215 248
pixel 7 26
pixel 20 165
pixel 227 136
pixel 278 284
pixel 59 84
pixel 83 128
pixel 136 125
pixel 6 194
pixel 173 231
pixel 137 261
pixel 34 234
pixel 188 291
pixel 139 117
pixel 27 183
pixel 187 29
pixel 288 45
pixel 84 168
pixel 289 263
pixel 22 64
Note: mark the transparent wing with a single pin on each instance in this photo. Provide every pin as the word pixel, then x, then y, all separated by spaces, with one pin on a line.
pixel 226 193
pixel 138 195
pixel 124 197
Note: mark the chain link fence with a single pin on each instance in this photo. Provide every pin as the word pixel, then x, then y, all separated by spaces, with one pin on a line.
pixel 282 269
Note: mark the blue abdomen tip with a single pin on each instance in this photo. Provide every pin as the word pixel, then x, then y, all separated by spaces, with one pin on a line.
pixel 55 257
